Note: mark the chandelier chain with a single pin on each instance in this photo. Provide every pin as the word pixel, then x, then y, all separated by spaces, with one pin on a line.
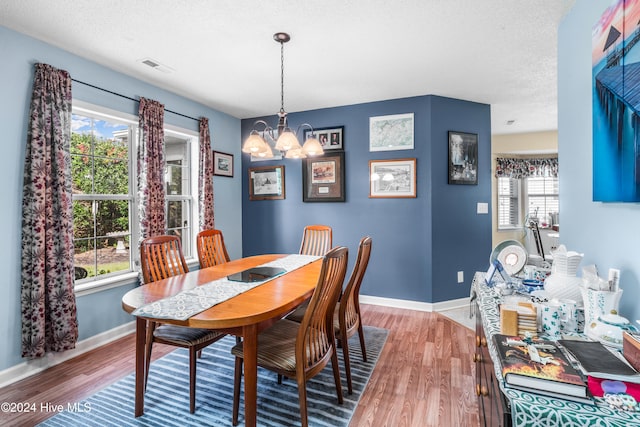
pixel 281 77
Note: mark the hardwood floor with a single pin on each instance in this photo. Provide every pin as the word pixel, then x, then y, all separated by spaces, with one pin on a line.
pixel 424 377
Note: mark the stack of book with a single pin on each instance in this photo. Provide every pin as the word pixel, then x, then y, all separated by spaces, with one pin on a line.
pixel 540 367
pixel 600 365
pixel 518 319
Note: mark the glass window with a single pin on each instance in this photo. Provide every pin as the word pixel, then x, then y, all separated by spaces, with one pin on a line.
pixel 102 200
pixel 508 203
pixel 542 199
pixel 179 188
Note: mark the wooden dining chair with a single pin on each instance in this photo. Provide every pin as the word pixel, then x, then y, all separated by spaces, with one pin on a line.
pixel 302 350
pixel 211 248
pixel 160 258
pixel 316 240
pixel 346 316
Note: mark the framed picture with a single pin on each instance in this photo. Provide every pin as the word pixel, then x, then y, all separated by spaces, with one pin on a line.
pixel 330 138
pixel 266 183
pixel 222 164
pixel 387 133
pixel 323 178
pixel 463 158
pixel 392 178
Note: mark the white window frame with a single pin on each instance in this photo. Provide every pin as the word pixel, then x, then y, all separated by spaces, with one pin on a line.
pixel 83 287
pixel 522 202
pixel 518 204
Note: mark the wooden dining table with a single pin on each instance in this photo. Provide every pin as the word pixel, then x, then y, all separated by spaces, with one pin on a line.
pixel 244 315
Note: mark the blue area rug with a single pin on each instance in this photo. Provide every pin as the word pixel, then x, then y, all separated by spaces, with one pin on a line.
pixel 167 397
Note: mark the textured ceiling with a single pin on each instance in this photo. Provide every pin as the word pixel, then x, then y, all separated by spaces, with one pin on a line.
pixel 221 52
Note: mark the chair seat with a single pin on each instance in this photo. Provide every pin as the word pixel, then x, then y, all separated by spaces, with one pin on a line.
pixel 183 336
pixel 276 346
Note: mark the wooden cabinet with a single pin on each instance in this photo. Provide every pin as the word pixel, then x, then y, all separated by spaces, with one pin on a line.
pixel 493 406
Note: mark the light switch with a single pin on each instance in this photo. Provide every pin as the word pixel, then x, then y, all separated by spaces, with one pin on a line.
pixel 483 208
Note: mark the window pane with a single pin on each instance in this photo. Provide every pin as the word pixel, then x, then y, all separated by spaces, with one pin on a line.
pixel 83 226
pixel 173 177
pixel 508 202
pixel 543 198
pixel 178 214
pixel 112 216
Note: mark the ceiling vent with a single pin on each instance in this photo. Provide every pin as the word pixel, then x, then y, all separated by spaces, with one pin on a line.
pixel 156 65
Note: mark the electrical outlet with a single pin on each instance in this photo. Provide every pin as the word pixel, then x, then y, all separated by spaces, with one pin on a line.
pixel 460 276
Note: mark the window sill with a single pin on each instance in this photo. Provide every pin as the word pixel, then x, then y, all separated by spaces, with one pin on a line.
pixel 92 287
pixel 509 229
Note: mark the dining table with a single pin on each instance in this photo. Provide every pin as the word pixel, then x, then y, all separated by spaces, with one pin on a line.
pixel 243 315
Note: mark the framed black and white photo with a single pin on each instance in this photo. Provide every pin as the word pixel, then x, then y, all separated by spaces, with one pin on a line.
pixel 463 158
pixel 323 178
pixel 392 178
pixel 329 138
pixel 222 164
pixel 266 183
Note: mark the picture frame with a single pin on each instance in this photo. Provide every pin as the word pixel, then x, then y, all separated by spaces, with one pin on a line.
pixel 329 138
pixel 323 178
pixel 222 164
pixel 393 132
pixel 395 178
pixel 266 183
pixel 463 158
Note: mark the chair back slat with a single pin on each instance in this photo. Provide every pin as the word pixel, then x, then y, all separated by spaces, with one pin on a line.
pixel 211 248
pixel 161 257
pixel 316 240
pixel 316 336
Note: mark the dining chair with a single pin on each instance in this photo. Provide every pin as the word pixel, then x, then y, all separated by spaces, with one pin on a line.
pixel 346 315
pixel 160 258
pixel 302 350
pixel 316 240
pixel 211 248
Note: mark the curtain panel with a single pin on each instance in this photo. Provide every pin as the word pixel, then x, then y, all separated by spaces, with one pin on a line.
pixel 48 303
pixel 525 168
pixel 151 169
pixel 205 177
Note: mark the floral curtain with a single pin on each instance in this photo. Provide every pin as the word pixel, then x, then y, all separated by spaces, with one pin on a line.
pixel 48 302
pixel 205 177
pixel 525 168
pixel 151 165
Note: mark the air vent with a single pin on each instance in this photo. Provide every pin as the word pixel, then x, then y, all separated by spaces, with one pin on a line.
pixel 156 65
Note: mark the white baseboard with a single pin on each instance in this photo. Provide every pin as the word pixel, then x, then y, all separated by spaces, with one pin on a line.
pixel 33 366
pixel 415 305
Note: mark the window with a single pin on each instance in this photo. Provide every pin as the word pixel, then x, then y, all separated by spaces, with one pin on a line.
pixel 540 198
pixel 104 182
pixel 102 195
pixel 508 203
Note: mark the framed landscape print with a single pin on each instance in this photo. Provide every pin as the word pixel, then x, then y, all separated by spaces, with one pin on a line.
pixel 463 158
pixel 222 164
pixel 266 183
pixel 323 178
pixel 392 178
pixel 329 138
pixel 388 133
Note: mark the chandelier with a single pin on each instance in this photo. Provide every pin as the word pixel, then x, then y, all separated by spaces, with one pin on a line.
pixel 284 137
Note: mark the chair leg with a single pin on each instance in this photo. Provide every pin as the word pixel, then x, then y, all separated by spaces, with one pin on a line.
pixel 361 336
pixel 279 378
pixel 336 375
pixel 236 390
pixel 192 379
pixel 347 365
pixel 151 326
pixel 302 396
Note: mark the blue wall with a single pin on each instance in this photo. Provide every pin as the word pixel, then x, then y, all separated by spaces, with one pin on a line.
pixel 607 233
pixel 101 311
pixel 418 244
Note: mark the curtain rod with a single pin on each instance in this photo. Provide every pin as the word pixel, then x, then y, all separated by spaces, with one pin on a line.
pixel 132 99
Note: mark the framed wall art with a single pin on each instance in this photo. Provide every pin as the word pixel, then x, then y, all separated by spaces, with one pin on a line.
pixel 266 183
pixel 329 138
pixel 392 178
pixel 388 133
pixel 463 158
pixel 323 178
pixel 222 164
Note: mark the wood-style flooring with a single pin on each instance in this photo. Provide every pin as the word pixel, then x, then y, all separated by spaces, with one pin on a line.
pixel 424 377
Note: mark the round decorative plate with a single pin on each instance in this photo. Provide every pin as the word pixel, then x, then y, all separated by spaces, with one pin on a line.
pixel 511 254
